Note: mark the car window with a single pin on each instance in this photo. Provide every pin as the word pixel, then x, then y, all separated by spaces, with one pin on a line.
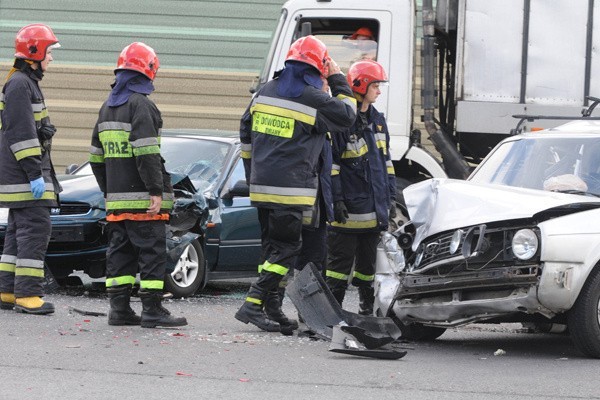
pixel 202 160
pixel 544 164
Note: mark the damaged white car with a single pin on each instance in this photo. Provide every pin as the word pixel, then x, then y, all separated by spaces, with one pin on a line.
pixel 519 241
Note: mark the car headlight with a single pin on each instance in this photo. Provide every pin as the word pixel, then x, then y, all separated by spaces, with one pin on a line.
pixel 525 244
pixel 3 215
pixel 455 241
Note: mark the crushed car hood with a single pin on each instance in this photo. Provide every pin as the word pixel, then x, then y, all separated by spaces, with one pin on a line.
pixel 438 205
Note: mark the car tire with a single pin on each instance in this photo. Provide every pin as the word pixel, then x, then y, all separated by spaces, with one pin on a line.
pixel 583 320
pixel 188 275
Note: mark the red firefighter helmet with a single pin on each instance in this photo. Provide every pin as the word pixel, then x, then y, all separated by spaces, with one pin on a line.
pixel 32 42
pixel 309 50
pixel 139 57
pixel 362 73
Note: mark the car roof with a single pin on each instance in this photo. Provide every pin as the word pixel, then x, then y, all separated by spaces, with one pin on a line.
pixel 212 134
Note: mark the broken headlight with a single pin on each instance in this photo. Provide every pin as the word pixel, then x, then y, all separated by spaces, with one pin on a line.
pixel 455 241
pixel 525 244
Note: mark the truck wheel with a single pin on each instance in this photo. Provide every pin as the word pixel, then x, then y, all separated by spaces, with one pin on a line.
pixel 188 274
pixel 584 318
pixel 401 212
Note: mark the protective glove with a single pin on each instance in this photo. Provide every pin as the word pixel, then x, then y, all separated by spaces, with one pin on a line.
pixel 340 212
pixel 393 213
pixel 46 131
pixel 38 187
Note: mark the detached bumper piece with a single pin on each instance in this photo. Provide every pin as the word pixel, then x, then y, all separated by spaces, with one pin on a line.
pixel 349 333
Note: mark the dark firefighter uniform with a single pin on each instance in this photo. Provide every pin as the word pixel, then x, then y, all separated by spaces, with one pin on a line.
pixel 125 157
pixel 282 140
pixel 363 178
pixel 25 144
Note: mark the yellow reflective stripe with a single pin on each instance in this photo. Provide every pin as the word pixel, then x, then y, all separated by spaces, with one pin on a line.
pixel 38 116
pixel 246 154
pixel 335 275
pixel 356 224
pixel 26 196
pixel 283 112
pixel 355 153
pixel 6 267
pixel 279 199
pixel 153 284
pixel 1 105
pixel 96 158
pixel 275 268
pixel 391 171
pixel 115 144
pixel 120 280
pixel 140 151
pixel 363 277
pixel 33 151
pixel 135 204
pixel 254 300
pixel 335 172
pixel 34 272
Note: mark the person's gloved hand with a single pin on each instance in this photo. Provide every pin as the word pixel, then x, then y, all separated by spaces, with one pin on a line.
pixel 38 187
pixel 393 212
pixel 340 212
pixel 47 131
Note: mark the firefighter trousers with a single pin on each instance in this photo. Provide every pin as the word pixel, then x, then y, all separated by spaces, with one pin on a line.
pixel 25 244
pixel 346 250
pixel 136 246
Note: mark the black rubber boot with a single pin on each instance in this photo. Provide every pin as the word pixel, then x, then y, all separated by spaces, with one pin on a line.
pixel 154 314
pixel 252 309
pixel 120 312
pixel 273 301
pixel 366 298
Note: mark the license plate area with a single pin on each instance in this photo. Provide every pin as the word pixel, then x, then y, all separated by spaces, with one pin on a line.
pixel 72 233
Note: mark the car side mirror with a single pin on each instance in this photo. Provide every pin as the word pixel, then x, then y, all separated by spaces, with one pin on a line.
pixel 239 189
pixel 71 168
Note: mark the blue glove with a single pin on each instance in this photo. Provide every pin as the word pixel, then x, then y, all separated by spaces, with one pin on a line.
pixel 38 187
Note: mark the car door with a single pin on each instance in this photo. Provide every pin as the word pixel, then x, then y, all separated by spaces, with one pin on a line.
pixel 239 244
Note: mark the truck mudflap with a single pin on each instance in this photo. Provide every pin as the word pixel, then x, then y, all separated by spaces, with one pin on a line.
pixel 349 333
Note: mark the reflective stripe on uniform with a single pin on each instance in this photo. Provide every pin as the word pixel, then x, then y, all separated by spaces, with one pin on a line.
pixel 336 275
pixel 358 221
pixel 6 267
pixel 283 195
pixel 275 268
pixel 150 145
pixel 355 149
pixel 33 272
pixel 152 284
pixel 351 101
pixel 26 148
pixel 254 300
pixel 381 142
pixel 22 192
pixel 363 277
pixel 96 154
pixel 135 200
pixel 246 150
pixel 335 169
pixel 120 280
pixel 390 167
pixel 284 108
pixel 114 126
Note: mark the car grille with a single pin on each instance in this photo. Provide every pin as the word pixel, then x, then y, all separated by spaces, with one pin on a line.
pixel 73 209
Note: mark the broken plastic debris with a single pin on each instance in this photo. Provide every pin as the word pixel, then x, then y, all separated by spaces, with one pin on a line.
pixel 179 373
pixel 85 312
pixel 499 352
pixel 244 380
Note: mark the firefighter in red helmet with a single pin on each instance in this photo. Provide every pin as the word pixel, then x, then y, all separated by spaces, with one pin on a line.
pixel 283 132
pixel 125 157
pixel 364 189
pixel 28 184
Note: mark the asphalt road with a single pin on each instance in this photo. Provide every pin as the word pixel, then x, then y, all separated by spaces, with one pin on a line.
pixel 74 356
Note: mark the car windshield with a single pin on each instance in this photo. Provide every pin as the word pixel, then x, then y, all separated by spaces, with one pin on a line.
pixel 563 164
pixel 202 160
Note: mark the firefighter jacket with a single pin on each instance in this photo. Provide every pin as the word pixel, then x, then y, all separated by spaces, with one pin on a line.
pixel 282 139
pixel 125 157
pixel 324 203
pixel 24 144
pixel 363 174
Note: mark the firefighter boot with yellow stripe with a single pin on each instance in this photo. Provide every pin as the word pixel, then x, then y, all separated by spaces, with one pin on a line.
pixel 154 314
pixel 33 305
pixel 7 301
pixel 252 311
pixel 120 312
